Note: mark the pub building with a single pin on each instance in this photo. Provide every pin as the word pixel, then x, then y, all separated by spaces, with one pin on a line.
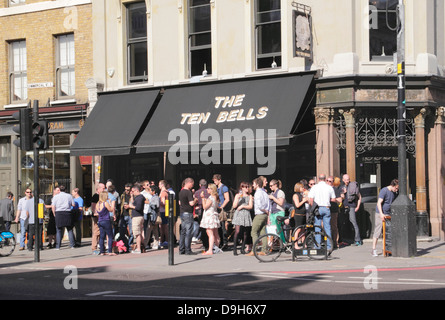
pixel 290 126
pixel 295 78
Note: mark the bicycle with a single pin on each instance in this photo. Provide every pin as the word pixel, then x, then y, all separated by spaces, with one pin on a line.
pixel 303 240
pixel 312 241
pixel 7 243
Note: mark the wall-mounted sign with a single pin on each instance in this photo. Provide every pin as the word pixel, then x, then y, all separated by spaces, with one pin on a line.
pixel 40 85
pixel 302 21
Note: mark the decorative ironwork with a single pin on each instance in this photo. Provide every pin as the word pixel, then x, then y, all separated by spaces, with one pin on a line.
pixel 375 132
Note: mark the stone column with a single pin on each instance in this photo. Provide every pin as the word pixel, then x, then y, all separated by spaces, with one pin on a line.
pixel 349 116
pixel 328 158
pixel 421 197
pixel 436 175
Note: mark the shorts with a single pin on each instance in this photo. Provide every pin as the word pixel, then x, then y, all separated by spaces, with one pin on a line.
pixel 137 225
pixel 378 229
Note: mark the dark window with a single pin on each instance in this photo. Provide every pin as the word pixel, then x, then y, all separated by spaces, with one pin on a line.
pixel 137 43
pixel 268 33
pixel 200 37
pixel 382 22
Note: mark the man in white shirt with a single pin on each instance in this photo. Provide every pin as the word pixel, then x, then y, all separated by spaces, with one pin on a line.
pixel 28 207
pixel 262 210
pixel 21 215
pixel 322 194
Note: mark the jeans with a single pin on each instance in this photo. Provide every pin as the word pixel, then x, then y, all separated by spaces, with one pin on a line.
pixel 59 236
pixel 32 234
pixel 106 230
pixel 125 222
pixel 351 212
pixel 23 231
pixel 325 217
pixel 185 239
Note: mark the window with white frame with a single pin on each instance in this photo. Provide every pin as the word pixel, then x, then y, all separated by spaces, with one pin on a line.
pixel 382 29
pixel 268 33
pixel 15 2
pixel 137 54
pixel 200 38
pixel 65 66
pixel 18 79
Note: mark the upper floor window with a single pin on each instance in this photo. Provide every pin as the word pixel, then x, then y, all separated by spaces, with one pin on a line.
pixel 15 2
pixel 268 33
pixel 137 54
pixel 200 37
pixel 382 29
pixel 65 70
pixel 18 79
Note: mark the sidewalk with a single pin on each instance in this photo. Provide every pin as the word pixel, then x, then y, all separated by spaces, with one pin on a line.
pixel 429 254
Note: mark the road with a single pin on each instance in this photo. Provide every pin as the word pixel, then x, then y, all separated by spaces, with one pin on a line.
pixel 350 274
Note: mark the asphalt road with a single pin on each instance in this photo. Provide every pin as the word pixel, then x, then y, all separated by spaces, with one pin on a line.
pixel 350 274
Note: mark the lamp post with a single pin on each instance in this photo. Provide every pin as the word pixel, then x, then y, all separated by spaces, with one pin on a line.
pixel 403 210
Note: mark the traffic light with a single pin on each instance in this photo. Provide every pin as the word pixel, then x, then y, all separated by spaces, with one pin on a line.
pixel 40 134
pixel 23 129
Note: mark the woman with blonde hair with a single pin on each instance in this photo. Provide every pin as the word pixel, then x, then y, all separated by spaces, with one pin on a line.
pixel 103 208
pixel 210 220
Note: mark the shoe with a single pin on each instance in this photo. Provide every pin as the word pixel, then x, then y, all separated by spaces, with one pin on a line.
pixel 374 253
pixel 250 254
pixel 358 243
pixel 261 254
pixel 136 251
pixel 190 253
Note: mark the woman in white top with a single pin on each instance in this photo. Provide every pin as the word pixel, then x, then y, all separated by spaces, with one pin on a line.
pixel 210 219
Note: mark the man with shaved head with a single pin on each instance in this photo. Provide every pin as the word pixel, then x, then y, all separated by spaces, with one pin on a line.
pixel 322 194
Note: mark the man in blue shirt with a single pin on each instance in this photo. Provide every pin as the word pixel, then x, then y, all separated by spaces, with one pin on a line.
pixel 386 198
pixel 78 210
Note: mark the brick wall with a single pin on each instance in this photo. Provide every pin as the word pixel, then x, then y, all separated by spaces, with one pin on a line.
pixel 39 30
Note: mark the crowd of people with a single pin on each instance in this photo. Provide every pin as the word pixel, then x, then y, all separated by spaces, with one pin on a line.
pixel 214 214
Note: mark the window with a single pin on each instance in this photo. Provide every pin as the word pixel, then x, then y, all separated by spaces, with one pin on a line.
pixel 200 37
pixel 382 36
pixel 15 2
pixel 137 58
pixel 268 33
pixel 65 71
pixel 18 79
pixel 5 150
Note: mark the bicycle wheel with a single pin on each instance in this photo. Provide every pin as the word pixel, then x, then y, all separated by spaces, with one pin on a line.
pixel 318 248
pixel 298 236
pixel 268 248
pixel 7 246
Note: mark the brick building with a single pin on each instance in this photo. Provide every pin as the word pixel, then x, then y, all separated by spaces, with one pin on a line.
pixel 45 55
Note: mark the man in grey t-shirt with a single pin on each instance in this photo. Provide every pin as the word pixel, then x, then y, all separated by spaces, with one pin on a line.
pixel 61 205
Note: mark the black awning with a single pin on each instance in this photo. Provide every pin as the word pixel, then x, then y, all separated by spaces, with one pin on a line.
pixel 235 108
pixel 115 123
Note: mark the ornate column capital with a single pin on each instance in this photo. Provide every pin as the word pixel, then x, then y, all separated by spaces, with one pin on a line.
pixel 419 120
pixel 323 115
pixel 440 115
pixel 349 116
